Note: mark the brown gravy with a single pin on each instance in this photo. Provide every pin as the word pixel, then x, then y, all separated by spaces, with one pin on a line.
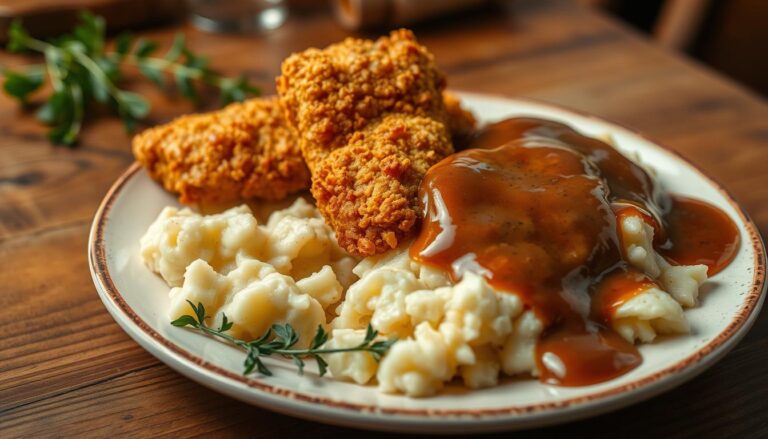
pixel 533 207
pixel 699 233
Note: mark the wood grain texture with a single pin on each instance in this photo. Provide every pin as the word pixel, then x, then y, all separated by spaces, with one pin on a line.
pixel 66 369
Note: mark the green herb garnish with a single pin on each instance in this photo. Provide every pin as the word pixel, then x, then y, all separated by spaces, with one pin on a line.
pixel 81 71
pixel 279 340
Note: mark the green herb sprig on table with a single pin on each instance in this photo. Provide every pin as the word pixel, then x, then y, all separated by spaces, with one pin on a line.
pixel 282 343
pixel 81 71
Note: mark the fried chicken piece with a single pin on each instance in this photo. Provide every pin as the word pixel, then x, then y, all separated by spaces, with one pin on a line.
pixel 370 186
pixel 182 155
pixel 245 150
pixel 461 122
pixel 371 120
pixel 330 94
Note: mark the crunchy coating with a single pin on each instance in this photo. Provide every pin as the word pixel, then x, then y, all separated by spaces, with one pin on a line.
pixel 461 122
pixel 245 150
pixel 181 154
pixel 371 120
pixel 330 94
pixel 371 185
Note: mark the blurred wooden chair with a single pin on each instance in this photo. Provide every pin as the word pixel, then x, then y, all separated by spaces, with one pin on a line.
pixel 678 23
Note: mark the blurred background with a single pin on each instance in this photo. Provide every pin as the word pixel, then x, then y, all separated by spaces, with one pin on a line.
pixel 731 36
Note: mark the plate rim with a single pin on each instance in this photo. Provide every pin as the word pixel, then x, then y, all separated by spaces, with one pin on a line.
pixel 485 418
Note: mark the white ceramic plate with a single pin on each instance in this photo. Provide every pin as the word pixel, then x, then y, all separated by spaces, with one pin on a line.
pixel 138 300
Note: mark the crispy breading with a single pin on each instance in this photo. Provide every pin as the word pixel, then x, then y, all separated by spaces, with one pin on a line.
pixel 370 186
pixel 371 120
pixel 181 154
pixel 330 94
pixel 243 151
pixel 461 122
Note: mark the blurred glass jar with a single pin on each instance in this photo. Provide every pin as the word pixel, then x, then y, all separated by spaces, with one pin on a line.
pixel 237 15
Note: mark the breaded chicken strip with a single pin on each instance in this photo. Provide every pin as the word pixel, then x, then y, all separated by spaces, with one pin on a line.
pixel 371 185
pixel 461 122
pixel 245 150
pixel 371 120
pixel 182 155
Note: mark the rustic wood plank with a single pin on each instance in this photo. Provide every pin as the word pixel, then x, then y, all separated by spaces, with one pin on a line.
pixel 44 187
pixel 56 334
pixel 66 369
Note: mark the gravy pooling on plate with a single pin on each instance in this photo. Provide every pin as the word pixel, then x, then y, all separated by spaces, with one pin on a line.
pixel 534 207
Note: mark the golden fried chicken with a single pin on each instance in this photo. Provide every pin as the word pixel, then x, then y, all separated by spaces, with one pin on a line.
pixel 182 155
pixel 245 150
pixel 371 120
pixel 370 186
pixel 461 122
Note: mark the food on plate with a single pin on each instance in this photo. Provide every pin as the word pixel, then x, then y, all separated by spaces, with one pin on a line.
pixel 371 121
pixel 368 190
pixel 243 151
pixel 576 230
pixel 294 241
pixel 545 256
pixel 461 122
pixel 534 250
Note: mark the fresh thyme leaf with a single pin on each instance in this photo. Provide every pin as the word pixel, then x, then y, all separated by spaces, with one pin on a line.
pixel 54 109
pixel 300 364
pixel 379 348
pixel 285 337
pixel 194 61
pixel 145 48
pixel 225 324
pixel 322 366
pixel 17 37
pixel 131 107
pixel 283 332
pixel 261 340
pixel 184 320
pixel 320 337
pixel 90 32
pixel 123 44
pixel 250 361
pixel 135 105
pixel 370 334
pixel 21 85
pixel 262 368
pixel 185 84
pixel 100 83
pixel 70 117
pixel 199 311
pixel 81 71
pixel 382 345
pixel 153 73
pixel 177 49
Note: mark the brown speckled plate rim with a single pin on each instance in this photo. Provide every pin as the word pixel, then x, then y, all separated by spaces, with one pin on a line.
pixel 97 255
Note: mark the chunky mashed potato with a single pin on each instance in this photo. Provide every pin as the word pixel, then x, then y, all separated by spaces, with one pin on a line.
pixel 291 270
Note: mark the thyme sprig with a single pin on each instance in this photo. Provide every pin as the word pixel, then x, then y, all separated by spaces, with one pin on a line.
pixel 279 340
pixel 81 71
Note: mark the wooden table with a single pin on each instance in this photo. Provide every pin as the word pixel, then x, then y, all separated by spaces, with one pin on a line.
pixel 67 369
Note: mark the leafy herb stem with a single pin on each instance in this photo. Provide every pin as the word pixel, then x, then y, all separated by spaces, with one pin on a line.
pixel 167 65
pixel 279 340
pixel 99 74
pixel 81 71
pixel 37 45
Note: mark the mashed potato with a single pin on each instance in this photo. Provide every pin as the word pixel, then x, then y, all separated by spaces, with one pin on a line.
pixel 253 296
pixel 291 270
pixel 295 241
pixel 681 281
